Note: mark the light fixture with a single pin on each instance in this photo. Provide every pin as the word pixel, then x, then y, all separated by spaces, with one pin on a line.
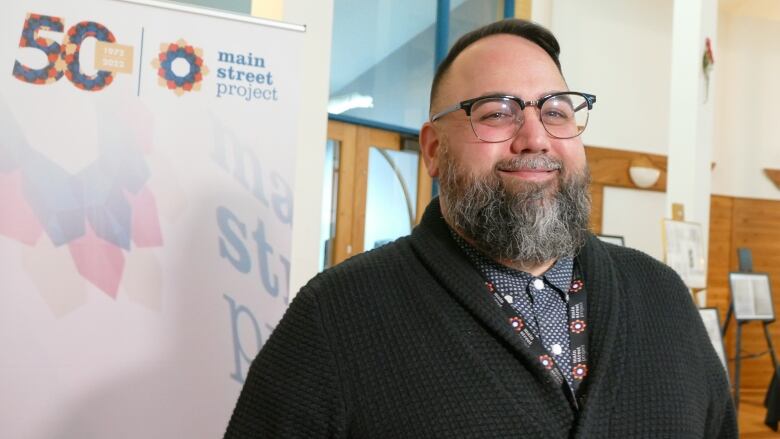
pixel 643 173
pixel 343 103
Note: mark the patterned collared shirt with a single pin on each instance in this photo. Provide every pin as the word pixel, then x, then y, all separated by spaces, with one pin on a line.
pixel 539 300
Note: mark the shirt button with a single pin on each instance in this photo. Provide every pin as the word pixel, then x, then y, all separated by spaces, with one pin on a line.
pixel 556 349
pixel 538 284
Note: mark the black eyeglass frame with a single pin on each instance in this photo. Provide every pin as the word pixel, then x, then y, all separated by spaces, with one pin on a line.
pixel 468 103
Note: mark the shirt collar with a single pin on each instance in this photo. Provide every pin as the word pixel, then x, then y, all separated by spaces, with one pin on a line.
pixel 559 275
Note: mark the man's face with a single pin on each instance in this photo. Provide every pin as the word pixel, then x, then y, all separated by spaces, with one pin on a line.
pixel 510 65
pixel 532 184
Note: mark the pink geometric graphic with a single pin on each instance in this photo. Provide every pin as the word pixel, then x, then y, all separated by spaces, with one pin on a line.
pixel 17 219
pixel 100 211
pixel 99 261
pixel 145 225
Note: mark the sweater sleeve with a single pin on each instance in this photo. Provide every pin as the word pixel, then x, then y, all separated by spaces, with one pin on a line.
pixel 728 425
pixel 722 419
pixel 292 388
pixel 721 413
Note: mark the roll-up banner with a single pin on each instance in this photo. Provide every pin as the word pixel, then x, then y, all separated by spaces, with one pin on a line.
pixel 146 172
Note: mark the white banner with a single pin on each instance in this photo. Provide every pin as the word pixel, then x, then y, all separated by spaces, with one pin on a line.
pixel 146 171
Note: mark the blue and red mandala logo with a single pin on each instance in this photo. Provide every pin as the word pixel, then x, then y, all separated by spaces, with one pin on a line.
pixel 177 82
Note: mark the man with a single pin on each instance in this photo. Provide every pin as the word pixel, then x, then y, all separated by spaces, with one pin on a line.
pixel 500 315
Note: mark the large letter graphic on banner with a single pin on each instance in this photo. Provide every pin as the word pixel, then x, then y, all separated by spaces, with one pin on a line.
pixel 239 354
pixel 62 58
pixel 243 159
pixel 49 73
pixel 240 256
pixel 233 248
pixel 71 48
pixel 263 251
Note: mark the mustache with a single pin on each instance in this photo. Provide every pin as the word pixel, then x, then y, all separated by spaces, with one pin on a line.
pixel 533 162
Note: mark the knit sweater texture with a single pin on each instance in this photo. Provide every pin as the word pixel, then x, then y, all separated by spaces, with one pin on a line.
pixel 404 341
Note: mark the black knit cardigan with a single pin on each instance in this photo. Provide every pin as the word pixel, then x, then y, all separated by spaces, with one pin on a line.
pixel 404 342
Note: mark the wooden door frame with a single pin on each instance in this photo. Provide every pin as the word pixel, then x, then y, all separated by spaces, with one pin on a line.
pixel 354 142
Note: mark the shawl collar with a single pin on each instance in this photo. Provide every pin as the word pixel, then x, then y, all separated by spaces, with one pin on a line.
pixel 452 268
pixel 607 330
pixel 445 260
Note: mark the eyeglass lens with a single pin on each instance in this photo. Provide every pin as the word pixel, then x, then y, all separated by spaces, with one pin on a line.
pixel 498 119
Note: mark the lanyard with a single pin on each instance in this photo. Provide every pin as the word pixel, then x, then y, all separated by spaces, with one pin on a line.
pixel 577 328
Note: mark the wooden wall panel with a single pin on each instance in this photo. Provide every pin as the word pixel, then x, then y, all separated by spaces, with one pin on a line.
pixel 609 167
pixel 597 207
pixel 756 225
pixel 719 264
pixel 720 251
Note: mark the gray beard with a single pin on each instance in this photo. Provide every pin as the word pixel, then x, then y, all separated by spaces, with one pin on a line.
pixel 529 223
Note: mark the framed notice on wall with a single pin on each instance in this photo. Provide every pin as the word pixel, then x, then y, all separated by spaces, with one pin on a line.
pixel 612 239
pixel 751 296
pixel 684 251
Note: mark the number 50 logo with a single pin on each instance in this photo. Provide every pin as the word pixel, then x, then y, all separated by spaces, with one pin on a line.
pixel 64 58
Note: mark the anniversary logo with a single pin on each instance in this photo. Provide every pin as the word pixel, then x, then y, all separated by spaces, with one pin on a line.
pixel 63 58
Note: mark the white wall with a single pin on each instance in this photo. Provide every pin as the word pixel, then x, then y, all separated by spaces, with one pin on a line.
pixel 313 116
pixel 747 120
pixel 619 50
pixel 641 224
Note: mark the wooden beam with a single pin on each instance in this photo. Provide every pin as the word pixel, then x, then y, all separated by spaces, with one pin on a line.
pixel 774 175
pixel 609 167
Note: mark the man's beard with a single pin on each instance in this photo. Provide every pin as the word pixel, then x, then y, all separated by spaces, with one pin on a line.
pixel 526 222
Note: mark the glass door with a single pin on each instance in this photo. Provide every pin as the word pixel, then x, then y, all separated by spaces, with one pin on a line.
pixel 374 190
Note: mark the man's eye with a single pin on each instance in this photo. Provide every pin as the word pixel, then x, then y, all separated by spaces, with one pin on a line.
pixel 554 113
pixel 556 116
pixel 496 116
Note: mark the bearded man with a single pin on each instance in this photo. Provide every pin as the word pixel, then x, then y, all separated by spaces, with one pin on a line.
pixel 500 315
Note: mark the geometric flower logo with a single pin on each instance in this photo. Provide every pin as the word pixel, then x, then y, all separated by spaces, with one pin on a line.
pixel 579 371
pixel 577 326
pixel 517 323
pixel 546 362
pixel 576 286
pixel 192 56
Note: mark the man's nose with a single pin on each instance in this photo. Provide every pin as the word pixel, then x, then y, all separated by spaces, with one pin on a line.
pixel 532 137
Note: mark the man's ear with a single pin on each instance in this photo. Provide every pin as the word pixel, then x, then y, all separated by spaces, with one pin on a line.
pixel 429 145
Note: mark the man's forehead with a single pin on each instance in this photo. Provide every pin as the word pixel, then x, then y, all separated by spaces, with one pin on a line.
pixel 501 48
pixel 500 63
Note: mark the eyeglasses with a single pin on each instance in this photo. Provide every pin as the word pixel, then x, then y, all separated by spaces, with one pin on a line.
pixel 498 118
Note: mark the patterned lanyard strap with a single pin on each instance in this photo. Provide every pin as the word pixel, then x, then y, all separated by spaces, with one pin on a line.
pixel 577 327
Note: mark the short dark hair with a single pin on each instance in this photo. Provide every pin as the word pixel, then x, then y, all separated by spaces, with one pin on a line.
pixel 513 26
